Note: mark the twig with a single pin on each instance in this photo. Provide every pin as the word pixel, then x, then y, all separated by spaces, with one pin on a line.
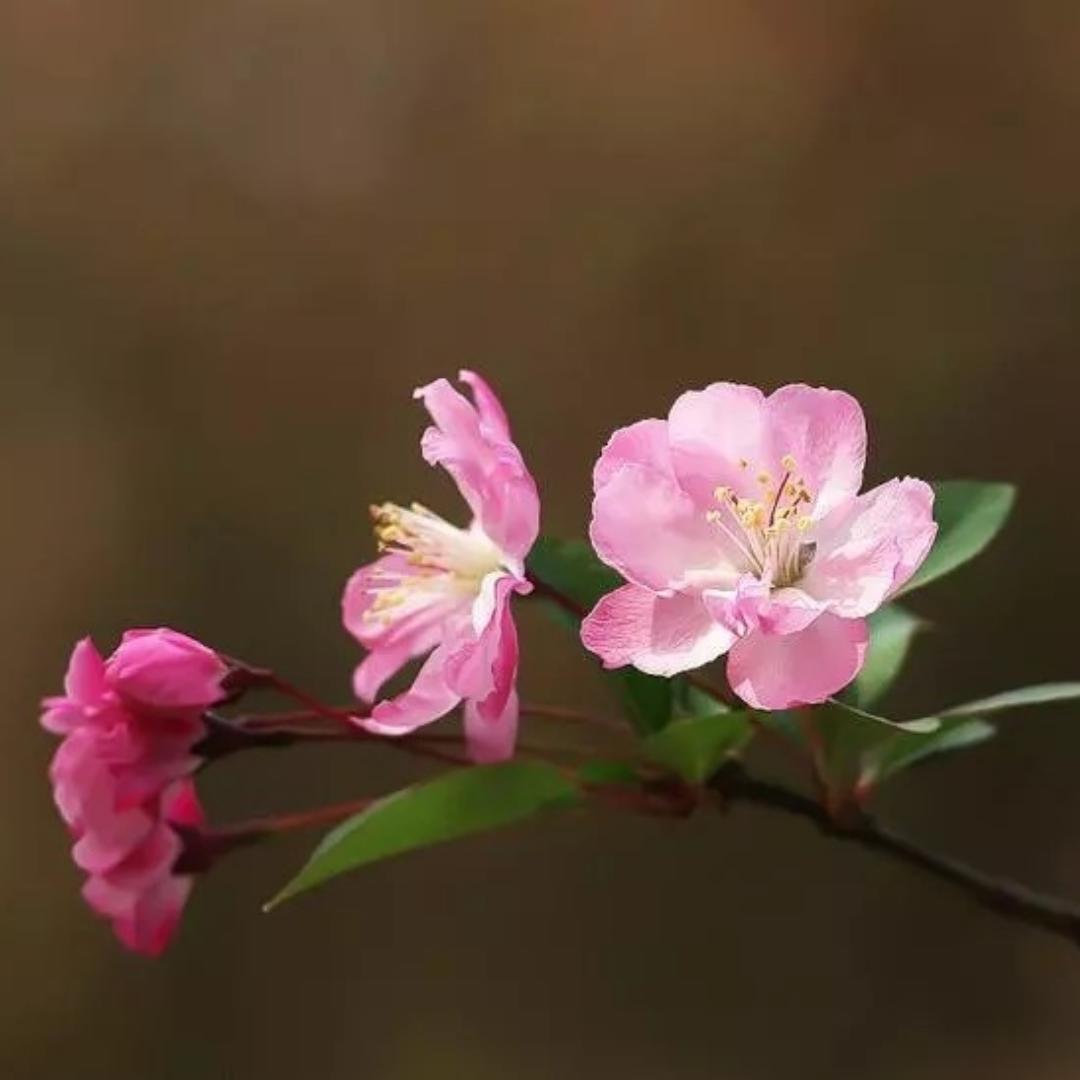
pixel 1008 898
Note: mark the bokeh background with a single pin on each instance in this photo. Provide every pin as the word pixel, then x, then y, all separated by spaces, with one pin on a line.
pixel 233 237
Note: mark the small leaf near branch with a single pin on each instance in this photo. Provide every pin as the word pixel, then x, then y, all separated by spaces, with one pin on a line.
pixel 457 804
pixel 892 632
pixel 969 514
pixel 695 747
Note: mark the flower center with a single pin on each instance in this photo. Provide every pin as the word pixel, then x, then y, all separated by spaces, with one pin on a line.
pixel 769 531
pixel 443 562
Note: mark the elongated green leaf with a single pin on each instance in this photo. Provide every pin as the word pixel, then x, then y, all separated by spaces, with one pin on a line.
pixel 904 749
pixel 1043 694
pixel 892 631
pixel 455 805
pixel 571 568
pixel 923 724
pixel 695 747
pixel 969 515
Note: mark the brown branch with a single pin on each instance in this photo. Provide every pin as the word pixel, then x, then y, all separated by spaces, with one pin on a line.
pixel 1008 898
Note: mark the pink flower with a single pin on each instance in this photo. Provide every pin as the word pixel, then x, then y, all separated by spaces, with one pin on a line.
pixel 120 776
pixel 445 591
pixel 739 528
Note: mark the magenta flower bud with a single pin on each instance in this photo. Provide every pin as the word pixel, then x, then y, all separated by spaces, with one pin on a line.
pixel 166 672
pixel 121 776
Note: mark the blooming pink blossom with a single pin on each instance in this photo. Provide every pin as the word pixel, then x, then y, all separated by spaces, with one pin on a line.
pixel 739 528
pixel 120 775
pixel 445 591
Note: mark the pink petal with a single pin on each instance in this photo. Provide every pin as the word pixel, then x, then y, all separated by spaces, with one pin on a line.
pixel 787 611
pixel 491 737
pixel 180 805
pixel 657 635
pixel 825 432
pixel 378 667
pixel 488 405
pixel 426 700
pixel 419 612
pixel 411 629
pixel 805 668
pixel 157 915
pixel 165 671
pixel 643 443
pixel 486 466
pixel 61 715
pixel 753 606
pixel 110 839
pixel 85 681
pixel 81 781
pixel 114 903
pixel 712 432
pixel 150 861
pixel 164 760
pixel 145 920
pixel 869 546
pixel 484 672
pixel 654 533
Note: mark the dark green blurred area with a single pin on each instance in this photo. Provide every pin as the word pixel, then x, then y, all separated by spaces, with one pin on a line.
pixel 233 237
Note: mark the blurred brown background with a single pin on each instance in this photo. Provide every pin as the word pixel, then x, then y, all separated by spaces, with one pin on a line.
pixel 234 235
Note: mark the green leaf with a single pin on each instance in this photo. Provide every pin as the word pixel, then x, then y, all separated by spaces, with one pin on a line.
pixel 695 747
pixel 892 631
pixel 691 700
pixel 1044 694
pixel 606 773
pixel 571 568
pixel 969 515
pixel 454 805
pixel 905 749
pixel 785 722
pixel 646 698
